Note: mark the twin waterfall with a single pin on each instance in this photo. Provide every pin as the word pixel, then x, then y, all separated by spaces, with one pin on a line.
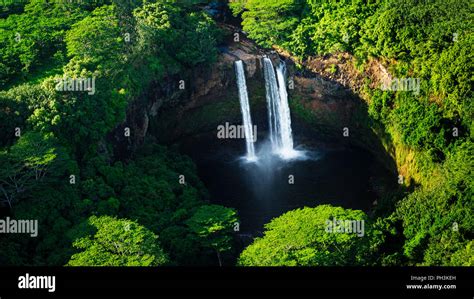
pixel 279 120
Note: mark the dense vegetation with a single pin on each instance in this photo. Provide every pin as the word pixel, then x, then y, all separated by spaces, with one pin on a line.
pixel 151 209
pixel 50 140
pixel 431 129
pixel 118 243
pixel 300 238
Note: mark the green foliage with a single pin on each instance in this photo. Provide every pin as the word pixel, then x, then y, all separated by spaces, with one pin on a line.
pixel 330 26
pixel 26 164
pixel 420 125
pixel 271 22
pixel 431 41
pixel 11 7
pixel 299 238
pixel 96 37
pixel 34 183
pixel 464 256
pixel 452 79
pixel 147 189
pixel 33 40
pixel 380 105
pixel 237 6
pixel 125 46
pixel 437 220
pixel 42 42
pixel 213 225
pixel 13 112
pixel 169 38
pixel 118 242
pixel 305 27
pixel 73 117
pixel 404 29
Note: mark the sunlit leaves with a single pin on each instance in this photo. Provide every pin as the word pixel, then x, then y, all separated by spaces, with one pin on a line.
pixel 118 242
pixel 299 238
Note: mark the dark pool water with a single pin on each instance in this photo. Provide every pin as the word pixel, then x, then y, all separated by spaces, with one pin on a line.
pixel 334 175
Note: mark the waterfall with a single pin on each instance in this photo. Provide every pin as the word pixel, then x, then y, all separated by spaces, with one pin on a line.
pixel 279 120
pixel 284 113
pixel 245 108
pixel 271 93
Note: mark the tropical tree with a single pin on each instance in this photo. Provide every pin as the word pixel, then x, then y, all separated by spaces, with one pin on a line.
pixel 302 238
pixel 25 165
pixel 118 242
pixel 213 225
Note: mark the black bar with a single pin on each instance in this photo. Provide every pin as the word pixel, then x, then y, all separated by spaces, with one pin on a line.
pixel 239 282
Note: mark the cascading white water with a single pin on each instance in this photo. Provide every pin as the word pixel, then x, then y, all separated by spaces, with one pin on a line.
pixel 285 118
pixel 278 110
pixel 271 93
pixel 245 108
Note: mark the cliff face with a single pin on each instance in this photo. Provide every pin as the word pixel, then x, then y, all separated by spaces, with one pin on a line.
pixel 197 102
pixel 208 97
pixel 341 69
pixel 212 98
